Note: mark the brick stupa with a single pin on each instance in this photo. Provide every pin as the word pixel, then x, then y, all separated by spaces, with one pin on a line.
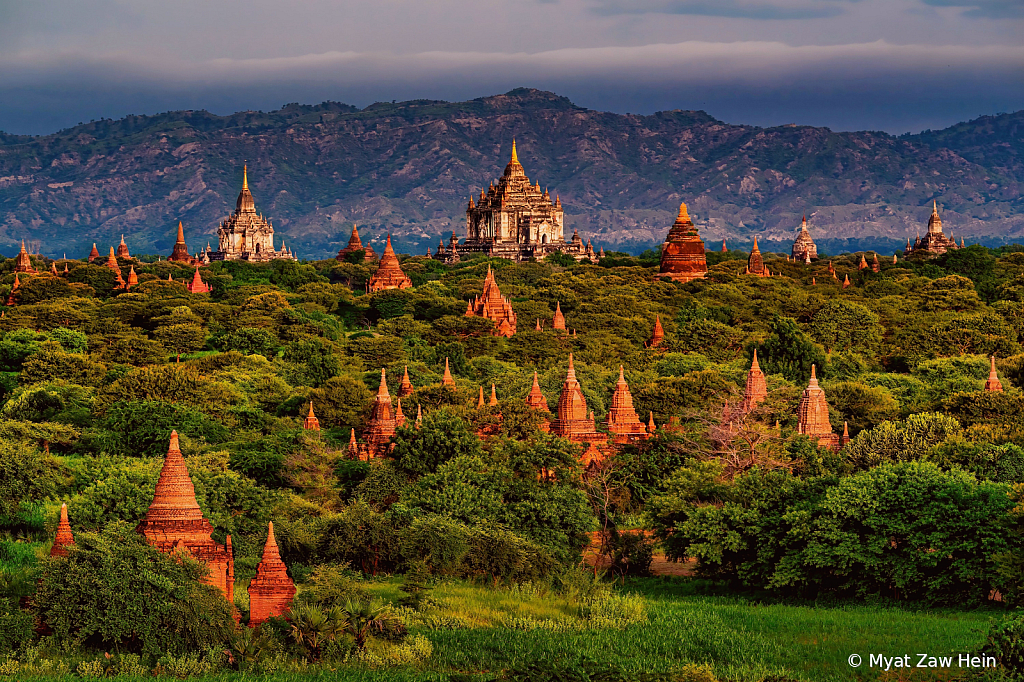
pixel 180 252
pixel 94 254
pixel 311 423
pixel 572 420
pixel 63 538
pixel 755 263
pixel 405 388
pixel 558 321
pixel 381 425
pixel 658 335
pixel 271 591
pixel 993 385
pixel 197 285
pixel 122 249
pixel 622 420
pixel 804 248
pixel 493 306
pixel 446 378
pixel 356 244
pixel 175 522
pixel 22 262
pixel 389 274
pixel 813 413
pixel 682 256
pixel 756 389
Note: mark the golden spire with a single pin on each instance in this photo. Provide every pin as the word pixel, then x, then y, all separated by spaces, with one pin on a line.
pixel 515 157
pixel 245 177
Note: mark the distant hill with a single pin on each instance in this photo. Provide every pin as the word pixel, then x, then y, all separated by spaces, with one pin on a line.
pixel 410 167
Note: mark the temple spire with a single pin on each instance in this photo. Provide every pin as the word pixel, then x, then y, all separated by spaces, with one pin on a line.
pixel 993 385
pixel 515 156
pixel 63 537
pixel 245 177
pixel 446 379
pixel 494 397
pixel 174 499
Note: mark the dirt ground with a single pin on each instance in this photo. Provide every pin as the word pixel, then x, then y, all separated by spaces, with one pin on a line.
pixel 659 564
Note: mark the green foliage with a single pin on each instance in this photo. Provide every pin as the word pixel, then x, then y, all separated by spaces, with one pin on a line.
pixel 250 341
pixel 841 324
pixel 1005 642
pixel 443 437
pixel 26 474
pixel 901 441
pixel 315 357
pixel 114 590
pixel 788 352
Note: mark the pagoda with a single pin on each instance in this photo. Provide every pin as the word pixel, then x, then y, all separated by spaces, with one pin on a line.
pixel 94 254
pixel 389 274
pixel 658 335
pixel 875 265
pixel 516 220
pixel 446 378
pixel 813 414
pixel 804 248
pixel 311 423
pixel 246 234
pixel 755 264
pixel 175 522
pixel 381 425
pixel 682 256
pixel 572 420
pixel 493 306
pixel 271 591
pixel 622 420
pixel 934 242
pixel 122 250
pixel 992 384
pixel 756 389
pixel 197 285
pixel 63 538
pixel 535 400
pixel 180 253
pixel 11 300
pixel 558 321
pixel 405 388
pixel 356 244
pixel 22 262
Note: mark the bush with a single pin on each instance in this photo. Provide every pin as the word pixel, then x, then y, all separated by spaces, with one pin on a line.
pixel 630 553
pixel 1005 642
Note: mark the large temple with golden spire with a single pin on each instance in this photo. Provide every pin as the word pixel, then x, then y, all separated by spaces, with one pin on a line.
pixel 934 241
pixel 804 248
pixel 246 234
pixel 516 220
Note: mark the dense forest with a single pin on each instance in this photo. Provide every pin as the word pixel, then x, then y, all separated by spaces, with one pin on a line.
pixel 922 508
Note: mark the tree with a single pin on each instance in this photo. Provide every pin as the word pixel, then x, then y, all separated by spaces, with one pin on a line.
pixel 52 363
pixel 140 428
pixel 316 358
pixel 788 352
pixel 901 441
pixel 340 402
pixel 71 340
pixel 26 474
pixel 115 591
pixel 250 341
pixel 181 338
pixel 16 346
pixel 841 324
pixel 443 436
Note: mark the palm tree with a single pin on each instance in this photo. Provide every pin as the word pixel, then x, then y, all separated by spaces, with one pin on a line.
pixel 313 625
pixel 364 617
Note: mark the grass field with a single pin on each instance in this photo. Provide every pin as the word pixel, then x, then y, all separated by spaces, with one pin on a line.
pixel 740 639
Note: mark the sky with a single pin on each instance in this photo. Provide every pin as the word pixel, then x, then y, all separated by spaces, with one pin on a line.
pixel 893 65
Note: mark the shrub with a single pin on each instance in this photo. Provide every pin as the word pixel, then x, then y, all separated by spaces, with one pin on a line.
pixel 1005 641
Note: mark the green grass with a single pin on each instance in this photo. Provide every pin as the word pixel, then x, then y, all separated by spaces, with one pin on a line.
pixel 741 639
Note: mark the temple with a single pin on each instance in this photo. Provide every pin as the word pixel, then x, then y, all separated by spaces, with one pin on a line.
pixel 22 262
pixel 756 389
pixel 992 384
pixel 755 263
pixel 63 537
pixel 406 387
pixel 94 253
pixel 658 335
pixel 389 274
pixel 493 306
pixel 934 242
pixel 813 414
pixel 804 248
pixel 446 378
pixel 180 252
pixel 175 522
pixel 356 244
pixel 682 256
pixel 558 321
pixel 622 420
pixel 271 591
pixel 572 420
pixel 122 249
pixel 515 220
pixel 311 423
pixel 197 285
pixel 381 425
pixel 246 234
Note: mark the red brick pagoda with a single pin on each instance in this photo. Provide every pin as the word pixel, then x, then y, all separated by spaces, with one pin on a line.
pixel 381 426
pixel 493 306
pixel 197 285
pixel 175 522
pixel 622 420
pixel 572 420
pixel 122 249
pixel 311 423
pixel 756 389
pixel 389 274
pixel 446 378
pixel 180 253
pixel 993 385
pixel 934 242
pixel 405 388
pixel 682 256
pixel 658 335
pixel 22 262
pixel 755 263
pixel 271 591
pixel 558 321
pixel 813 413
pixel 356 244
pixel 94 254
pixel 63 537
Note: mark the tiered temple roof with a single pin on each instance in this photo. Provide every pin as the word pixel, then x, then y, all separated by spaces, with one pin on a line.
pixel 992 384
pixel 558 321
pixel 756 389
pixel 622 420
pixel 536 400
pixel 381 425
pixel 446 378
pixel 22 262
pixel 311 423
pixel 94 254
pixel 682 256
pixel 271 591
pixel 658 335
pixel 122 249
pixel 755 263
pixel 572 420
pixel 175 522
pixel 813 415
pixel 406 387
pixel 389 274
pixel 356 244
pixel 197 285
pixel 180 252
pixel 11 299
pixel 934 242
pixel 63 537
pixel 804 248
pixel 246 234
pixel 493 306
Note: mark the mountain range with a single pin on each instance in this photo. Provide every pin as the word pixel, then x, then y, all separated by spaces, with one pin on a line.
pixel 409 168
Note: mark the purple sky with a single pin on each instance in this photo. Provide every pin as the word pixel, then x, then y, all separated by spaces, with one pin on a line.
pixel 895 65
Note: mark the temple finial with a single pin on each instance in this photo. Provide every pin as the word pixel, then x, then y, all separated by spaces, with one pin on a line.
pixel 515 156
pixel 245 177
